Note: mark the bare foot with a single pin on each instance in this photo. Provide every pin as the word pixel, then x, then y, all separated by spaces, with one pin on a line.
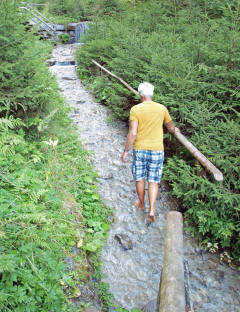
pixel 151 217
pixel 139 206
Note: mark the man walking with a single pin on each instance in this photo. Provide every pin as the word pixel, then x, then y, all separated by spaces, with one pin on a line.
pixel 146 133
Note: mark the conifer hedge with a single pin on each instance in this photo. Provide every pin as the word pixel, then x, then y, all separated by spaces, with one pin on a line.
pixel 64 11
pixel 190 51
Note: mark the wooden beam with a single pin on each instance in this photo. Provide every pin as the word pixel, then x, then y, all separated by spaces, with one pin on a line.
pixel 172 292
pixel 218 176
pixel 116 77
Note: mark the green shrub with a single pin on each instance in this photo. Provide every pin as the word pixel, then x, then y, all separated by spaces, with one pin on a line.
pixel 25 86
pixel 64 37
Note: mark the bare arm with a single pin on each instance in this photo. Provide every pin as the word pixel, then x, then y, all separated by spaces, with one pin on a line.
pixel 171 128
pixel 132 134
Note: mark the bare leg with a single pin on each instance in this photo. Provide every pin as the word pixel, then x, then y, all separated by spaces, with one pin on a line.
pixel 152 197
pixel 140 187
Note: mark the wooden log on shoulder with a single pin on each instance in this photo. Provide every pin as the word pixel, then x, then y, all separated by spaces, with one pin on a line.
pixel 179 136
pixel 172 292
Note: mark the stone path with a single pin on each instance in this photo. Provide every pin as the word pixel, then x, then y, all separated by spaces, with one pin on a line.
pixel 133 260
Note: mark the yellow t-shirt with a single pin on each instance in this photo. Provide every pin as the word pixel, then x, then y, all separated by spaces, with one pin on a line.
pixel 150 117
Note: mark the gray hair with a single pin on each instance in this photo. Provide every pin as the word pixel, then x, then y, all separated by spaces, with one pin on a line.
pixel 146 89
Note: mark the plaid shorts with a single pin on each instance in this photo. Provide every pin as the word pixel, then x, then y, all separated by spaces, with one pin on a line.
pixel 147 165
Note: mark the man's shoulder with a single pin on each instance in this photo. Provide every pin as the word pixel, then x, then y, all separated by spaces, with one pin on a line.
pixel 145 105
pixel 159 105
pixel 136 107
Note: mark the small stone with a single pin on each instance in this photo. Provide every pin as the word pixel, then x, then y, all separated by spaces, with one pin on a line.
pixel 69 78
pixel 117 163
pixel 212 264
pixel 70 264
pixel 220 276
pixel 124 241
pixel 51 62
pixel 107 176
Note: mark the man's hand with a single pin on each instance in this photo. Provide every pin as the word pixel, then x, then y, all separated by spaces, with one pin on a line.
pixel 132 133
pixel 171 128
pixel 124 156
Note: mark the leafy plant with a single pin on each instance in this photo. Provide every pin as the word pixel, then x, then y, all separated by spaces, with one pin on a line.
pixel 65 37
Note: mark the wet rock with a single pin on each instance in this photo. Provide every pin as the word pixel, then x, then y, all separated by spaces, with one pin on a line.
pixel 65 63
pixel 212 264
pixel 71 40
pixel 51 62
pixel 70 264
pixel 69 78
pixel 72 26
pixel 220 276
pixel 124 241
pixel 107 176
pixel 88 294
pixel 150 306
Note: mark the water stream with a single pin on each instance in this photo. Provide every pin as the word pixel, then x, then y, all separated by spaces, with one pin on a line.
pixel 80 30
pixel 133 254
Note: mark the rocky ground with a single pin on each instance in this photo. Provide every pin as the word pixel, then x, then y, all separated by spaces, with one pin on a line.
pixel 133 254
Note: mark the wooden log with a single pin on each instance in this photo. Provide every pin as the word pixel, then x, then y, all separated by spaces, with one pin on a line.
pixel 172 293
pixel 116 77
pixel 199 156
pixel 178 135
